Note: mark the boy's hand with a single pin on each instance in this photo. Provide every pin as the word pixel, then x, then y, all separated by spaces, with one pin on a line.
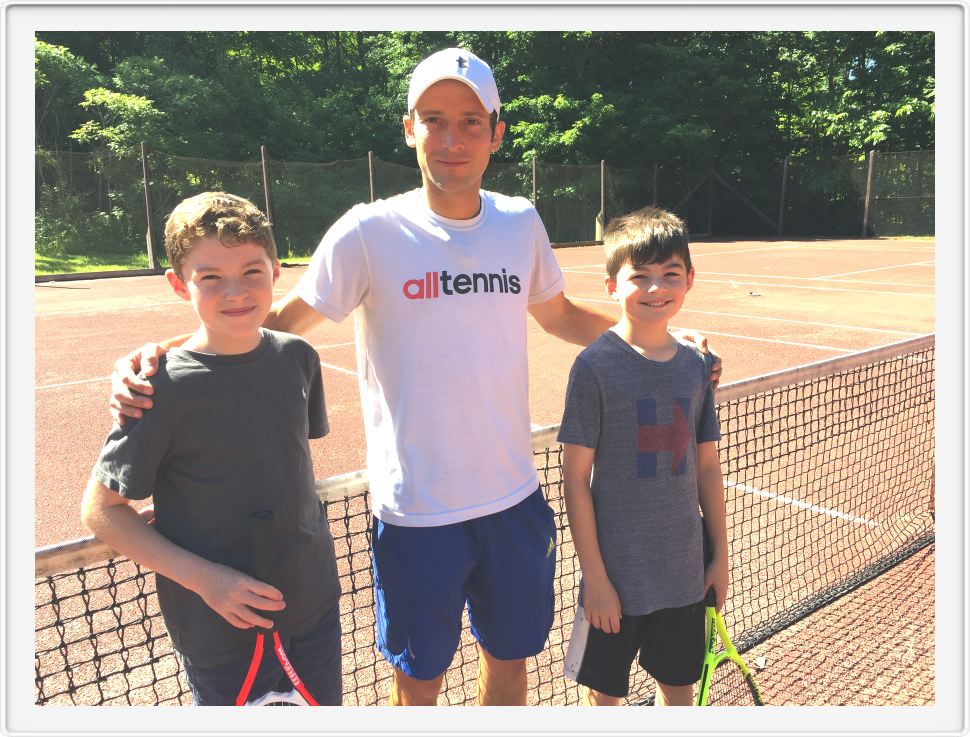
pixel 601 604
pixel 235 596
pixel 702 345
pixel 129 382
pixel 716 575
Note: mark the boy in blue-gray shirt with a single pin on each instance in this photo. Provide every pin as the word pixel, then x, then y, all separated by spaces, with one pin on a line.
pixel 640 456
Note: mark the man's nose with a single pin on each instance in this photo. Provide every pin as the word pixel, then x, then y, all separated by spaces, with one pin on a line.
pixel 451 137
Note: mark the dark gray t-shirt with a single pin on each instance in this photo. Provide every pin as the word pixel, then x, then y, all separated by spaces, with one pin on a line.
pixel 228 437
pixel 645 419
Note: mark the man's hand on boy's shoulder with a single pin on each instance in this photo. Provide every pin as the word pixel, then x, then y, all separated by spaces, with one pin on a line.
pixel 601 604
pixel 130 388
pixel 700 341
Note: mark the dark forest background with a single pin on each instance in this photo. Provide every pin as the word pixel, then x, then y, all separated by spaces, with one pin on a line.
pixel 691 102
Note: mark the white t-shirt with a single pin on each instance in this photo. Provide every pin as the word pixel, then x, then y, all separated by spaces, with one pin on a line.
pixel 441 349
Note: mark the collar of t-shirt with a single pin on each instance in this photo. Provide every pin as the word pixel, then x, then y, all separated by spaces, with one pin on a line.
pixel 464 224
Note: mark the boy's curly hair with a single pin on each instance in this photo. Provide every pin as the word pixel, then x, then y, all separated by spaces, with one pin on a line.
pixel 231 219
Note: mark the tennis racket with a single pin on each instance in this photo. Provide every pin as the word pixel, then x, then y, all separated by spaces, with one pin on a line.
pixel 263 525
pixel 725 679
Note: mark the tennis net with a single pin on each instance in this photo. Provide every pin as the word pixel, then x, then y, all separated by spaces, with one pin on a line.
pixel 829 482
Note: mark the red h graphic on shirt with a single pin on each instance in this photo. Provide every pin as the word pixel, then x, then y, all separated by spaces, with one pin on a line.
pixel 653 437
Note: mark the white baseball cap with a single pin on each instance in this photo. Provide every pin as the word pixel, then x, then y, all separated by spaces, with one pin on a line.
pixel 455 64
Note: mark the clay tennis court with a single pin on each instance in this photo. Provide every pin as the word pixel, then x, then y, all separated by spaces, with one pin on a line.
pixel 765 306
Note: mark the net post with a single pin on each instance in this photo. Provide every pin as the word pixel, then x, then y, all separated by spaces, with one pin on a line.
pixel 150 235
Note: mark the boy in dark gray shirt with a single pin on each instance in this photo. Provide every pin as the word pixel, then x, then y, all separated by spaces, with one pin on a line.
pixel 640 456
pixel 228 441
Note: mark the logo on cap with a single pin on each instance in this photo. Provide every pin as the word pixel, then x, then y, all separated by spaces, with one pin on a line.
pixel 462 62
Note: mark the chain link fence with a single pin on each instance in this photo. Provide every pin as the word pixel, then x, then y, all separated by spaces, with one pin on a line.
pixel 94 203
pixel 91 203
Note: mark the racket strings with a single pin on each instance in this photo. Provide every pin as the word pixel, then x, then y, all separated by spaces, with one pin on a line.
pixel 730 686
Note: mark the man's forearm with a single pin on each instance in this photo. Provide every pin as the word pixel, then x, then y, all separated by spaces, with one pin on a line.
pixel 579 324
pixel 589 324
pixel 292 315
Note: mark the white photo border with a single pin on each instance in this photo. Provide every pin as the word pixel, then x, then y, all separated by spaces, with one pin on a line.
pixel 20 716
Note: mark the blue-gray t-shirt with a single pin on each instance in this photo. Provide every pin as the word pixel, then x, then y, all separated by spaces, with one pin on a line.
pixel 644 418
pixel 228 436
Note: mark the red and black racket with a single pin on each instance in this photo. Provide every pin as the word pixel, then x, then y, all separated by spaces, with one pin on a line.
pixel 263 527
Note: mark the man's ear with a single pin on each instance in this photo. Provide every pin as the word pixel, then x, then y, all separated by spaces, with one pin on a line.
pixel 408 122
pixel 276 270
pixel 178 286
pixel 497 136
pixel 690 278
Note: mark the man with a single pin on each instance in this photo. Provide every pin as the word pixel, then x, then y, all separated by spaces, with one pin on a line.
pixel 441 280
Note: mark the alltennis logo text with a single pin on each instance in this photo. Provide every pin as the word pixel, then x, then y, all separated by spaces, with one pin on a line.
pixel 436 283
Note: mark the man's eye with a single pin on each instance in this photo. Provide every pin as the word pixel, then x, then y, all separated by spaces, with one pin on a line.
pixel 253 272
pixel 210 277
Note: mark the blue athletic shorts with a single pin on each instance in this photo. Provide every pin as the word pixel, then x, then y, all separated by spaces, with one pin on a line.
pixel 501 565
pixel 315 656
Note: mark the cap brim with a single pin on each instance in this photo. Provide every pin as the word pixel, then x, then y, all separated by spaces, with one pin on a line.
pixel 478 93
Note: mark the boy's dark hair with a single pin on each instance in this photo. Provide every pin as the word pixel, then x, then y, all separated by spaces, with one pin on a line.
pixel 230 219
pixel 646 236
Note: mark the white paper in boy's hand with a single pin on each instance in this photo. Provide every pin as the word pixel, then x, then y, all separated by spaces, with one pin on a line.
pixel 577 644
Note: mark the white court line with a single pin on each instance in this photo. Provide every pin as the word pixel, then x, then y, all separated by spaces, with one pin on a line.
pixel 751 337
pixel 802 322
pixel 789 246
pixel 880 268
pixel 801 505
pixel 736 283
pixel 72 383
pixel 793 278
pixel 143 305
pixel 781 342
pixel 338 368
pixel 931 295
pixel 821 278
pixel 332 345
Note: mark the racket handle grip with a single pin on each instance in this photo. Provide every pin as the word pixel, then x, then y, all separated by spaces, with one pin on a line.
pixel 262 525
pixel 710 598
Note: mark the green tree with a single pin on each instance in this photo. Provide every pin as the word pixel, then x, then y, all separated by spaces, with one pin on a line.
pixel 60 80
